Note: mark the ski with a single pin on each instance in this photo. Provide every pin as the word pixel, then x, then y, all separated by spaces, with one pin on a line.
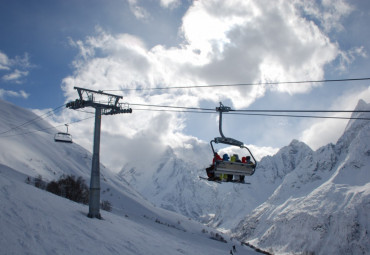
pixel 241 182
pixel 208 179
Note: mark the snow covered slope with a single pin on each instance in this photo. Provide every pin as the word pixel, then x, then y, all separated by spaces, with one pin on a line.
pixel 35 153
pixel 33 221
pixel 323 205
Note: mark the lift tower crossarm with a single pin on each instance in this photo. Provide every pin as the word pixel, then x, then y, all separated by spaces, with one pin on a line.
pixel 110 108
pixel 81 90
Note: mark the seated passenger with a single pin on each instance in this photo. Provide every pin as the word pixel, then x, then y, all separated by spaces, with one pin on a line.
pixel 233 158
pixel 223 177
pixel 216 158
pixel 244 160
pixel 248 160
pixel 210 170
pixel 241 177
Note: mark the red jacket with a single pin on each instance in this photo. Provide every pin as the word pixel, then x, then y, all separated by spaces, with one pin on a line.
pixel 216 157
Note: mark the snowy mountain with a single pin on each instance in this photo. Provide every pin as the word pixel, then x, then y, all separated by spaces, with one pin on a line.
pixel 295 194
pixel 175 185
pixel 298 201
pixel 34 221
pixel 323 205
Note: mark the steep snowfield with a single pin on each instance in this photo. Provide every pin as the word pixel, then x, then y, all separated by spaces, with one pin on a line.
pixel 323 205
pixel 36 153
pixel 34 221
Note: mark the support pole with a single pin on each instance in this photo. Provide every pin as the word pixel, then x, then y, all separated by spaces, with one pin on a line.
pixel 94 196
pixel 100 108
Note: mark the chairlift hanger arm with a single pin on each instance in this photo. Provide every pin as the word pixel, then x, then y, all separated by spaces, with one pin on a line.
pixel 222 109
pixel 223 139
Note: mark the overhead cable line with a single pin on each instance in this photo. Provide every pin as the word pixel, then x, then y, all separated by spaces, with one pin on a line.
pixel 175 107
pixel 45 115
pixel 241 84
pixel 257 110
pixel 300 116
pixel 256 114
pixel 183 109
pixel 43 129
pixel 171 110
pixel 308 111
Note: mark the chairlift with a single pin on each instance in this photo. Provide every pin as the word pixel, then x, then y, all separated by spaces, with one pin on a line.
pixel 63 137
pixel 228 167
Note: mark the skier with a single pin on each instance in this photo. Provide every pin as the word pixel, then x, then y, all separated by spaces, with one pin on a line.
pixel 210 170
pixel 248 159
pixel 225 157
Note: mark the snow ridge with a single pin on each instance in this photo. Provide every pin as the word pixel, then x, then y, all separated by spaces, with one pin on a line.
pixel 322 206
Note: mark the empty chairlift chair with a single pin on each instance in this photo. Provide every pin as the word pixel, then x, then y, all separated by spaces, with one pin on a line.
pixel 63 137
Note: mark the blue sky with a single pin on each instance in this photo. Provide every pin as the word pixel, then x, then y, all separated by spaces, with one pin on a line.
pixel 48 47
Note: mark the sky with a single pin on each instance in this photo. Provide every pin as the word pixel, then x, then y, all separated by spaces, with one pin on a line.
pixel 48 47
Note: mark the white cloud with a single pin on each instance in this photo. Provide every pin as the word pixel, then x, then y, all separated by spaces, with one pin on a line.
pixel 170 3
pixel 347 57
pixel 255 41
pixel 4 61
pixel 9 93
pixel 328 14
pixel 16 75
pixel 16 68
pixel 137 10
pixel 224 42
pixel 326 131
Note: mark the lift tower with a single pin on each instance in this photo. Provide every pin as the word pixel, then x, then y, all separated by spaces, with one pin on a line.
pixel 90 98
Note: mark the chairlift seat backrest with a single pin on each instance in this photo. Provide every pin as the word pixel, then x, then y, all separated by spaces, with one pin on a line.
pixel 229 141
pixel 234 168
pixel 63 137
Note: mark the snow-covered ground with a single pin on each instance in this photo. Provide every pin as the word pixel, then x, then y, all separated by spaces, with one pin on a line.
pixel 298 201
pixel 33 221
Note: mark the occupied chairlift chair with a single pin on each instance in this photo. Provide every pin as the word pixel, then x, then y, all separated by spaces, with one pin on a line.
pixel 63 137
pixel 227 167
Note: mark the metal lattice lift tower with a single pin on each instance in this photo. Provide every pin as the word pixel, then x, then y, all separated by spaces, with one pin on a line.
pixel 89 98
